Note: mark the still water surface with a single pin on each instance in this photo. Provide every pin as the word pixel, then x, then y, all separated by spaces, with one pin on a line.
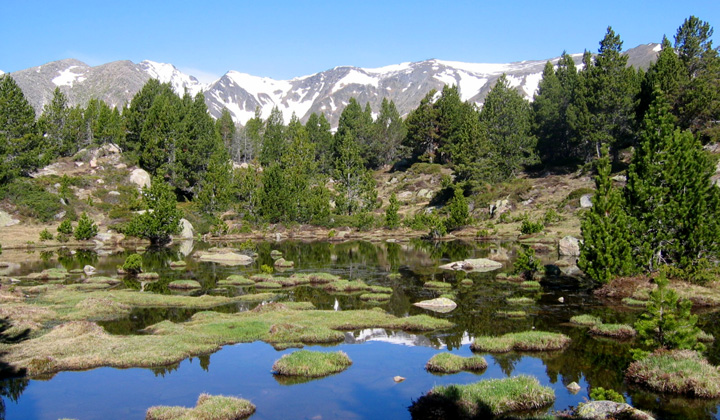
pixel 366 390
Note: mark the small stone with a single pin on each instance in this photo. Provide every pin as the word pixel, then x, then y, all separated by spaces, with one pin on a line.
pixel 574 387
pixel 561 299
pixel 398 379
pixel 586 201
pixel 89 270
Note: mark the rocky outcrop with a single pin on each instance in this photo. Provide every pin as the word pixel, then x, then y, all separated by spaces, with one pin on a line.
pixel 442 305
pixel 475 264
pixel 600 410
pixel 569 246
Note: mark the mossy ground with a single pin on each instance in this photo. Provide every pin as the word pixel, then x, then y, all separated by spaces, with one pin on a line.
pixel 313 364
pixel 682 372
pixel 451 363
pixel 484 399
pixel 209 407
pixel 522 341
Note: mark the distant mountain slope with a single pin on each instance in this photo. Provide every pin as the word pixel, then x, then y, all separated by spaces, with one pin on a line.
pixel 326 92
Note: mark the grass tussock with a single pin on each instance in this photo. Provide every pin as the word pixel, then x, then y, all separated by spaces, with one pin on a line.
pixel 682 372
pixel 620 331
pixel 484 399
pixel 530 284
pixel 511 314
pixel 236 280
pixel 321 278
pixel 520 301
pixel 629 301
pixel 451 363
pixel 345 286
pixel 377 297
pixel 586 320
pixel 184 284
pixel 268 285
pixel 522 341
pixel 209 407
pixel 437 285
pixel 313 364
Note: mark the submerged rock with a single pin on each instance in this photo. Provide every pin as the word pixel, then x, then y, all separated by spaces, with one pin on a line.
pixel 476 264
pixel 600 410
pixel 398 379
pixel 226 258
pixel 442 305
pixel 574 387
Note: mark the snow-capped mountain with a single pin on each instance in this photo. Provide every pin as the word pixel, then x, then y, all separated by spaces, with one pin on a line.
pixel 327 92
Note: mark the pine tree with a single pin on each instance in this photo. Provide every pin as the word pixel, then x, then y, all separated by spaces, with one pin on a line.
pixel 54 124
pixel 318 129
pixel 603 107
pixel 389 132
pixel 507 120
pixel 215 187
pixel 606 250
pixel 392 219
pixel 274 142
pixel 670 194
pixel 21 148
pixel 161 218
pixel 422 139
pixel 355 185
pixel 251 136
pixel 194 146
pixel 666 74
pixel 458 212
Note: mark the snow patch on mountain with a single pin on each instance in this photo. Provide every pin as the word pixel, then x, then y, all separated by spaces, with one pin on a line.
pixel 68 77
pixel 355 77
pixel 470 85
pixel 531 84
pixel 167 73
pixel 481 68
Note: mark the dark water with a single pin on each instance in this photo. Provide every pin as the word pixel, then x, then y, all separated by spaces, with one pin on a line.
pixel 366 390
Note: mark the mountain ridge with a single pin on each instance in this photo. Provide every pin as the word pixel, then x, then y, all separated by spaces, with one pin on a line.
pixel 324 92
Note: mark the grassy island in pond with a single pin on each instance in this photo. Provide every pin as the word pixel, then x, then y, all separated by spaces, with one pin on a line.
pixel 522 341
pixel 682 372
pixel 484 399
pixel 312 364
pixel 209 407
pixel 451 363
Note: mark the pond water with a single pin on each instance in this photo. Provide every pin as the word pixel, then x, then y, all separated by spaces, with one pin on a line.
pixel 366 390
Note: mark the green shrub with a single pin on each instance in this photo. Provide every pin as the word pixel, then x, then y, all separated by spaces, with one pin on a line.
pixel 551 216
pixel 133 264
pixel 65 227
pixel 459 214
pixel 266 269
pixel 526 263
pixel 529 227
pixel 424 221
pixel 45 235
pixel 163 221
pixel 392 219
pixel 602 394
pixel 364 221
pixel 31 199
pixel 86 228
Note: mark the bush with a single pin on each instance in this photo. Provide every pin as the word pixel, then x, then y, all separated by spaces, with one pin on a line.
pixel 133 264
pixel 550 217
pixel 526 263
pixel 65 227
pixel 431 221
pixel 162 217
pixel 459 214
pixel 86 228
pixel 45 235
pixel 392 219
pixel 602 394
pixel 529 227
pixel 31 199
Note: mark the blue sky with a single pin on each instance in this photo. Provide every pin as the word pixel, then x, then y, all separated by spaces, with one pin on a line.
pixel 285 39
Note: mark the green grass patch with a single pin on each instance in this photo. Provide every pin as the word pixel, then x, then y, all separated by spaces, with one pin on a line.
pixel 634 302
pixel 484 399
pixel 522 341
pixel 268 285
pixel 313 364
pixel 704 337
pixel 437 285
pixel 345 286
pixel 378 297
pixel 621 331
pixel 236 280
pixel 530 284
pixel 586 320
pixel 682 372
pixel 520 301
pixel 209 407
pixel 451 363
pixel 260 277
pixel 319 278
pixel 184 284
pixel 466 282
pixel 380 289
pixel 511 314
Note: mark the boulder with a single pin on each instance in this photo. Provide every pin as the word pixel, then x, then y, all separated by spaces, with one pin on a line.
pixel 475 264
pixel 586 201
pixel 226 258
pixel 600 410
pixel 573 387
pixel 140 177
pixel 499 254
pixel 499 207
pixel 7 220
pixel 569 246
pixel 619 178
pixel 187 231
pixel 283 263
pixel 89 270
pixel 442 305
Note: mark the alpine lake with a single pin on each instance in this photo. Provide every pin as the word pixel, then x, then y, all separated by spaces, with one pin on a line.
pixel 367 389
